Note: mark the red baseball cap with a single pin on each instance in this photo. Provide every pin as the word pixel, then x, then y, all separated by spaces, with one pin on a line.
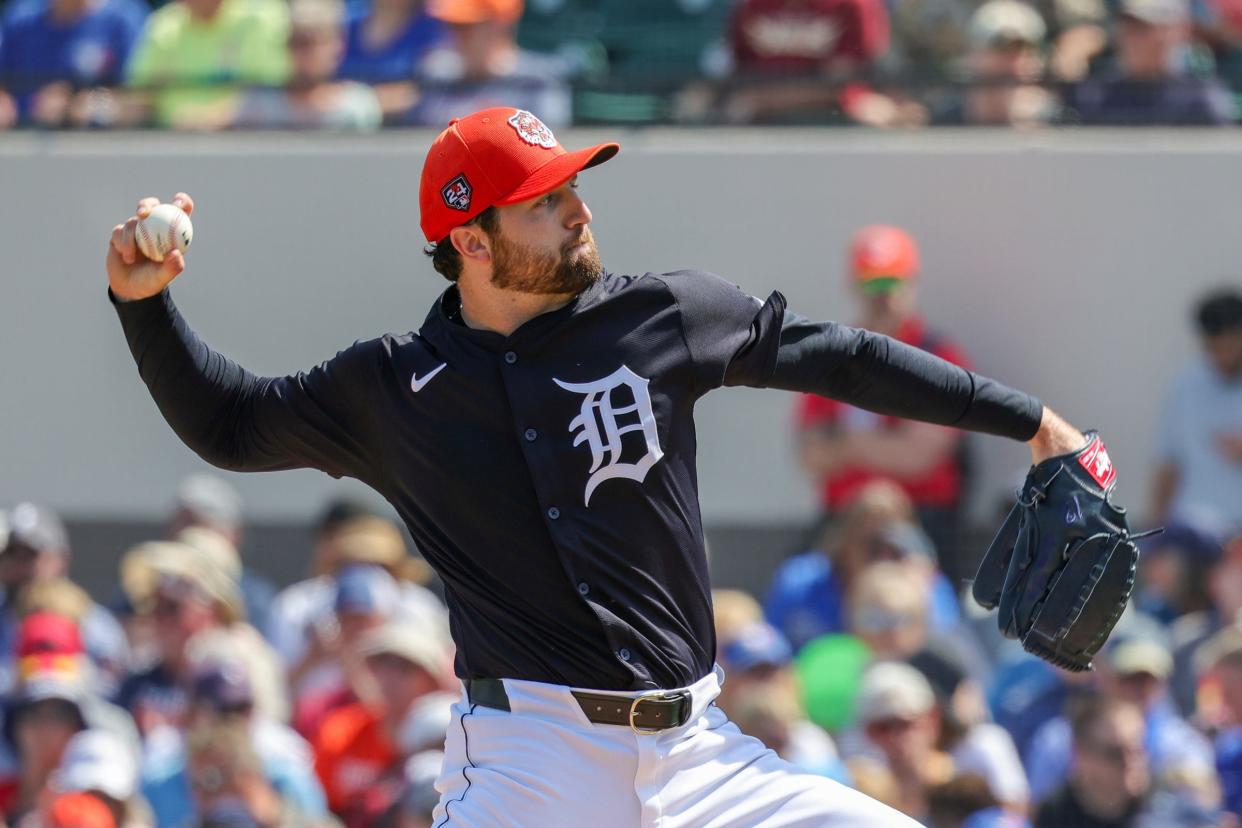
pixel 80 810
pixel 883 256
pixel 46 633
pixel 492 158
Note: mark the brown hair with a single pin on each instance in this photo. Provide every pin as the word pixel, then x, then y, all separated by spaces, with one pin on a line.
pixel 1086 713
pixel 877 503
pixel 951 802
pixel 445 258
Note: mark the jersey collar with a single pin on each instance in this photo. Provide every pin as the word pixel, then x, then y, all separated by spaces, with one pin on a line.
pixel 445 321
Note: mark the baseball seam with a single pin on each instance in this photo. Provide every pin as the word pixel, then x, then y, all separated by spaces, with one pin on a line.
pixel 150 242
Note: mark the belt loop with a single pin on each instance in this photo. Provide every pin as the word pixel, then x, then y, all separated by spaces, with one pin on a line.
pixel 488 693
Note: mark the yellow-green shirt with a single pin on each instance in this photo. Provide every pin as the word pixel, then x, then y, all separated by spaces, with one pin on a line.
pixel 245 44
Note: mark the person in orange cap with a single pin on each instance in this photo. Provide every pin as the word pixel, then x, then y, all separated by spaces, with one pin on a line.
pixel 79 810
pixel 469 12
pixel 844 448
pixel 482 66
pixel 536 435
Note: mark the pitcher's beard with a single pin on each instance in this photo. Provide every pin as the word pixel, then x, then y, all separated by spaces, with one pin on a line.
pixel 520 268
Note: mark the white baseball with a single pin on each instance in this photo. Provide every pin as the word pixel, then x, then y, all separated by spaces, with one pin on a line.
pixel 165 229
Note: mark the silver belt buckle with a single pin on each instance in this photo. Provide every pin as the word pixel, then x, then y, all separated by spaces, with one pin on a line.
pixel 652 695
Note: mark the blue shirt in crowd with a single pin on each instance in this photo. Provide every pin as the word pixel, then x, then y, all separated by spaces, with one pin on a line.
pixel 1229 766
pixel 287 764
pixel 36 50
pixel 1199 407
pixel 1184 100
pixel 1171 742
pixel 394 61
pixel 807 600
pixel 1024 694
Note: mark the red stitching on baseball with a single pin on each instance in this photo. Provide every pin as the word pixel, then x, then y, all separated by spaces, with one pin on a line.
pixel 142 228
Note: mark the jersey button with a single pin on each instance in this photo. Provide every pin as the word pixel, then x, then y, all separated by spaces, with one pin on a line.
pixel 530 435
pixel 510 357
pixel 554 513
pixel 583 588
pixel 623 654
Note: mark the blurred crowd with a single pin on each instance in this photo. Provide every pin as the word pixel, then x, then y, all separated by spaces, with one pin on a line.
pixel 196 693
pixel 199 695
pixel 363 64
pixel 866 661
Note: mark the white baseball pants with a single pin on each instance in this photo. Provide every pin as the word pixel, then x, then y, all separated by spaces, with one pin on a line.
pixel 544 765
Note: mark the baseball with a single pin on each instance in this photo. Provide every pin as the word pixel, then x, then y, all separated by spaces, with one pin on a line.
pixel 165 229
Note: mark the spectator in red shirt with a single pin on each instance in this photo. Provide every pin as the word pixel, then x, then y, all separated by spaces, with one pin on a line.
pixel 360 749
pixel 844 448
pixel 821 47
pixel 808 36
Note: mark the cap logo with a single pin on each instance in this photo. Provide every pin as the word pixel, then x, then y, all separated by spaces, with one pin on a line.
pixel 532 130
pixel 457 194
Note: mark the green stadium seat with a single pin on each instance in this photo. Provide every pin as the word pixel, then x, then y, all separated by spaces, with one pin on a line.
pixel 661 40
pixel 570 28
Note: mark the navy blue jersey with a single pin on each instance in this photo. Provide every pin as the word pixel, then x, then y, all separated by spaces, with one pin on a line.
pixel 549 476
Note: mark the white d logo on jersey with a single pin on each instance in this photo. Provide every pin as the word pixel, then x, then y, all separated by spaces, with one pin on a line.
pixel 602 432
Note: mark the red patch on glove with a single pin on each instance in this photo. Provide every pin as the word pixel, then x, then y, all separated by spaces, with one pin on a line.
pixel 1094 458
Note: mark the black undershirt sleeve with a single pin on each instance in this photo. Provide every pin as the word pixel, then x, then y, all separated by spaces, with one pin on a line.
pixel 880 374
pixel 736 339
pixel 242 422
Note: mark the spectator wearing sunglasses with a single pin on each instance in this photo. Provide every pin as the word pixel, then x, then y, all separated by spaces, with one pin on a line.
pixel 196 611
pixel 1110 779
pixel 809 592
pixel 898 716
pixel 1135 670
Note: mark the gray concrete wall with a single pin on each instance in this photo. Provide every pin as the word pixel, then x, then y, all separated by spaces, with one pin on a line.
pixel 1064 263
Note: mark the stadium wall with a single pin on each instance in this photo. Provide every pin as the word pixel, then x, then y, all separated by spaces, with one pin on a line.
pixel 1065 263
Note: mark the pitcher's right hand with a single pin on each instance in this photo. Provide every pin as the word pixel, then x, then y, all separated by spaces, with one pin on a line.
pixel 132 275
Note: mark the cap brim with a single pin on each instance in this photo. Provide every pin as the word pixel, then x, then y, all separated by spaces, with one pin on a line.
pixel 1006 38
pixel 1153 17
pixel 1131 664
pixel 414 655
pixel 881 284
pixel 44 690
pixel 559 170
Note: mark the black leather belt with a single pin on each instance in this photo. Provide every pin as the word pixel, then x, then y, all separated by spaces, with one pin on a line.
pixel 647 713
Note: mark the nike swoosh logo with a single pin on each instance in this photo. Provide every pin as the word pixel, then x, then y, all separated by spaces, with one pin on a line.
pixel 418 384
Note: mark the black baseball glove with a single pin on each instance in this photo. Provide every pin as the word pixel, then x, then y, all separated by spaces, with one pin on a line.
pixel 1061 568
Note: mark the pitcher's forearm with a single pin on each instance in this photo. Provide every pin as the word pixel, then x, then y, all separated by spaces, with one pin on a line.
pixel 1055 436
